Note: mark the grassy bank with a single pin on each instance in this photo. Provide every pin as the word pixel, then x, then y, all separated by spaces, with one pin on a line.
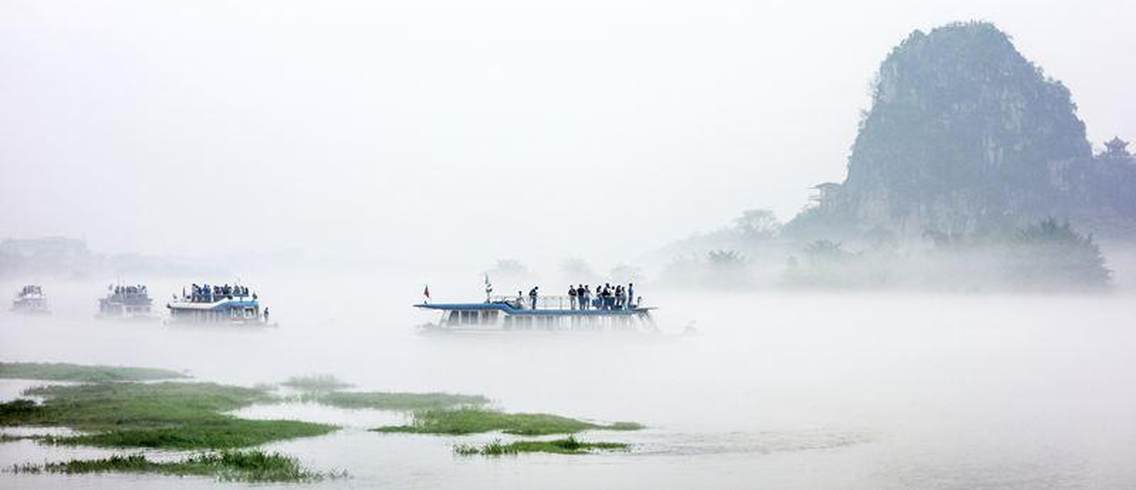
pixel 154 415
pixel 569 445
pixel 316 383
pixel 327 390
pixel 87 374
pixel 476 420
pixel 395 401
pixel 241 466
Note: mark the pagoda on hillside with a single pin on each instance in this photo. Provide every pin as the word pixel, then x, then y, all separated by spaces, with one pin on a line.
pixel 1116 149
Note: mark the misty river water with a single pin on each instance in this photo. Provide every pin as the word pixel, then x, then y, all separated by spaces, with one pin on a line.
pixel 776 390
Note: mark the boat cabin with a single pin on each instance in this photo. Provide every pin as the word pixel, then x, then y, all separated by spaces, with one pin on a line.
pixel 551 313
pixel 217 304
pixel 30 299
pixel 126 302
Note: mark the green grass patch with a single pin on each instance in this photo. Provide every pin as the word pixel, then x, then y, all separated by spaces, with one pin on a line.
pixel 154 415
pixel 468 420
pixel 239 466
pixel 316 383
pixel 395 401
pixel 13 438
pixel 87 374
pixel 570 445
pixel 327 390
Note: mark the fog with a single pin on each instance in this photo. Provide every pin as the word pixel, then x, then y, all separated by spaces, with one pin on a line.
pixel 444 133
pixel 338 157
pixel 789 390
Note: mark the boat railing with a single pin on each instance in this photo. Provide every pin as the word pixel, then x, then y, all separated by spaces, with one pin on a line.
pixel 563 302
pixel 213 298
pixel 542 302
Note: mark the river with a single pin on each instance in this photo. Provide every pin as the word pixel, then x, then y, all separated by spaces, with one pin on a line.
pixel 775 390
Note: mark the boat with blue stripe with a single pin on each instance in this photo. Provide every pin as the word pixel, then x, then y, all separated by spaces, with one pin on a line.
pixel 233 305
pixel 551 313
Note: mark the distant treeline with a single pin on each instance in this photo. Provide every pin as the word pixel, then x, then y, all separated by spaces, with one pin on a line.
pixel 1048 255
pixel 70 258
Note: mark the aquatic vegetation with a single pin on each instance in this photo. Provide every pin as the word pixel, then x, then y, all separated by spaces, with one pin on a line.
pixel 495 448
pixel 155 415
pixel 225 432
pixel 265 387
pixel 59 371
pixel 570 445
pixel 16 409
pixel 327 390
pixel 316 383
pixel 238 466
pixel 468 420
pixel 395 401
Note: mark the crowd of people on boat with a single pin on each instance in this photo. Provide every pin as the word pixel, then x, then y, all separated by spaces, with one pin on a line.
pixel 208 294
pixel 130 290
pixel 31 290
pixel 583 297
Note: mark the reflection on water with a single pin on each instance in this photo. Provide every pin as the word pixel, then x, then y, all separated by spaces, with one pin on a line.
pixel 782 391
pixel 11 389
pixel 764 442
pixel 356 418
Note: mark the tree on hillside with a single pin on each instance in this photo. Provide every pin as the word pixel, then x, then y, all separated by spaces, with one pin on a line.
pixel 726 260
pixel 1052 255
pixel 624 273
pixel 757 224
pixel 824 252
pixel 509 271
pixel 576 269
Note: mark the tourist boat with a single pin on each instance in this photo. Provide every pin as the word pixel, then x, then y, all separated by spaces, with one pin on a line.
pixel 552 313
pixel 127 303
pixel 31 300
pixel 218 305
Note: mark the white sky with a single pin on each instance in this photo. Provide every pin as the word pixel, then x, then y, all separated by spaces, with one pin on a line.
pixel 442 131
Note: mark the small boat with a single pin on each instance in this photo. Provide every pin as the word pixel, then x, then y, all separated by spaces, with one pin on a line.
pixel 218 305
pixel 552 313
pixel 130 303
pixel 31 300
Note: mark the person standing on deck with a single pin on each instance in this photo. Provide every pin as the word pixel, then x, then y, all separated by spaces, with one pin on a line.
pixel 572 296
pixel 532 296
pixel 520 300
pixel 582 296
pixel 266 314
pixel 630 296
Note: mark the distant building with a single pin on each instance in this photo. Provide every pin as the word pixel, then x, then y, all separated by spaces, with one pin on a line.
pixel 825 192
pixel 1116 149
